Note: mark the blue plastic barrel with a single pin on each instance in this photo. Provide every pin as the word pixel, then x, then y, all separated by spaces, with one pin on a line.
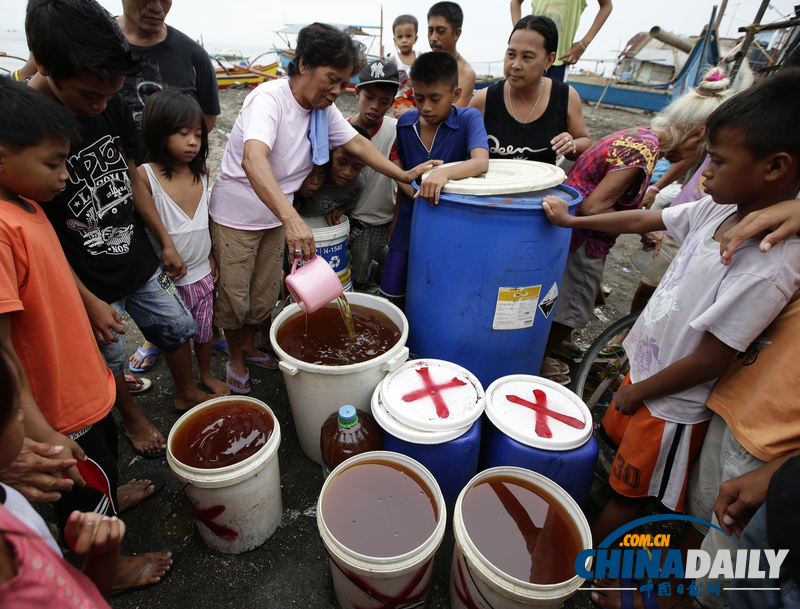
pixel 541 426
pixel 483 278
pixel 449 447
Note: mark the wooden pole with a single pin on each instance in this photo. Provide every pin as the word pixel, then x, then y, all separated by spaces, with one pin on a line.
pixel 742 54
pixel 381 40
pixel 722 8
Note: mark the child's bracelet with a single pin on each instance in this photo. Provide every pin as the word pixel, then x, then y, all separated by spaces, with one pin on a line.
pixel 654 187
pixel 583 48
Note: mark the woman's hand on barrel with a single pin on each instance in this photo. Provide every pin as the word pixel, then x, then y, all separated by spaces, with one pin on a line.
pixel 413 173
pixel 299 239
pixel 557 210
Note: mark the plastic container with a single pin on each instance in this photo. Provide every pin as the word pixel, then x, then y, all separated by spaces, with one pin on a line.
pixel 346 279
pixel 238 507
pixel 315 391
pixel 447 447
pixel 516 433
pixel 367 582
pixel 346 433
pixel 476 582
pixel 484 274
pixel 654 268
pixel 314 284
pixel 331 241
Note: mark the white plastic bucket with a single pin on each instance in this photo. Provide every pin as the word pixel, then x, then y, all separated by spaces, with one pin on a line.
pixel 315 391
pixel 346 277
pixel 476 582
pixel 239 506
pixel 368 582
pixel 331 241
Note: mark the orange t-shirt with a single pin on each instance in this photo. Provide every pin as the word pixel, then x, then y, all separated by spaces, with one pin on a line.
pixel 50 330
pixel 759 394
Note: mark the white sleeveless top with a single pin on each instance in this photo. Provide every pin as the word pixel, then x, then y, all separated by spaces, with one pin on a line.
pixel 190 235
pixel 404 71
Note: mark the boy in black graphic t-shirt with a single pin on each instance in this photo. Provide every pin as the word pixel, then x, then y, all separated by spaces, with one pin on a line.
pixel 83 59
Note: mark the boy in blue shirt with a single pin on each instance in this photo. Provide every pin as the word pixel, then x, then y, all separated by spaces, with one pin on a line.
pixel 436 129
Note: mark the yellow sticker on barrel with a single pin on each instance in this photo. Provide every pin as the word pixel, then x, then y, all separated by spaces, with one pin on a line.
pixel 515 308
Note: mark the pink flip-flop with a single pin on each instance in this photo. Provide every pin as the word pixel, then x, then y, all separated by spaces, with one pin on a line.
pixel 242 380
pixel 264 361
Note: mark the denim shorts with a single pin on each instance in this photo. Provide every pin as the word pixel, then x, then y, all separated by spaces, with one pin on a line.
pixel 158 310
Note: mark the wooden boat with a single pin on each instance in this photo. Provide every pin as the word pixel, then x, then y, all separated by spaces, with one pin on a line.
pixel 252 75
pixel 705 53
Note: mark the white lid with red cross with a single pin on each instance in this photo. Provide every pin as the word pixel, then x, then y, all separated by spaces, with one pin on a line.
pixel 538 413
pixel 433 395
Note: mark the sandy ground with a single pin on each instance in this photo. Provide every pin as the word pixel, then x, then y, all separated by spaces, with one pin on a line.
pixel 291 568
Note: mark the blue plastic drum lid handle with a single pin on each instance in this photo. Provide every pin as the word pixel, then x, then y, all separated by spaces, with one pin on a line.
pixel 348 416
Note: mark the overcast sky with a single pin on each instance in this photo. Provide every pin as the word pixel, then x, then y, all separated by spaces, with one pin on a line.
pixel 248 25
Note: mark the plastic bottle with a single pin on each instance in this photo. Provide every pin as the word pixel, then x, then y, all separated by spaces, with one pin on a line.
pixel 344 434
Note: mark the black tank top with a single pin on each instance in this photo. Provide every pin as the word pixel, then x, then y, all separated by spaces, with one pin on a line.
pixel 510 139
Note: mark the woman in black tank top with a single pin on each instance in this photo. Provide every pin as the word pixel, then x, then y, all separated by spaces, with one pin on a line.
pixel 527 115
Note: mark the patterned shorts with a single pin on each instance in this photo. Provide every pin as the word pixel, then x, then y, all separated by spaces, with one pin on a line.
pixel 199 299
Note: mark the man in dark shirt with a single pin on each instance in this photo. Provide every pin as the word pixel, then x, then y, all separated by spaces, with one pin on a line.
pixel 174 60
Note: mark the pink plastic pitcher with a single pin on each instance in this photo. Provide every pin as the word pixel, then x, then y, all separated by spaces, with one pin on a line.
pixel 314 284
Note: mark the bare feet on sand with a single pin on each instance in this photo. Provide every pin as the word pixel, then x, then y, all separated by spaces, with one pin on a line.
pixel 213 385
pixel 142 570
pixel 144 436
pixel 133 493
pixel 191 397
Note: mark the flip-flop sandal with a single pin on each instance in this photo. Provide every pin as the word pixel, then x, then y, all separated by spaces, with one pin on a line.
pixel 153 454
pixel 137 384
pixel 221 346
pixel 144 355
pixel 264 361
pixel 557 364
pixel 611 350
pixel 550 375
pixel 239 379
pixel 155 481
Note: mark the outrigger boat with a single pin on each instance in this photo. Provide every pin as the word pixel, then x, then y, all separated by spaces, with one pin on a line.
pixel 245 72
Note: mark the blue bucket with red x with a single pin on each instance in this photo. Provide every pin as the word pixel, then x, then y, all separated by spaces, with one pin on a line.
pixel 430 410
pixel 541 426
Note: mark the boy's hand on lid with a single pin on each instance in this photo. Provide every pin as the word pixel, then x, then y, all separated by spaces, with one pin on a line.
pixel 557 210
pixel 431 187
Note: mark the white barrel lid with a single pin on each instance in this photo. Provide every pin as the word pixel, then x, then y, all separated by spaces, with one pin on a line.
pixel 505 176
pixel 405 432
pixel 514 408
pixel 433 395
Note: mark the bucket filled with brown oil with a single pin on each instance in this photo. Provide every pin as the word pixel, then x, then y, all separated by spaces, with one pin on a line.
pixel 327 364
pixel 381 517
pixel 517 537
pixel 225 453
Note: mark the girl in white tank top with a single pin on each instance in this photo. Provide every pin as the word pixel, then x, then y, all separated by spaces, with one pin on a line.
pixel 176 137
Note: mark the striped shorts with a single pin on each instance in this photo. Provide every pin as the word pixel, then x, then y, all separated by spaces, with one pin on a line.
pixel 199 299
pixel 653 455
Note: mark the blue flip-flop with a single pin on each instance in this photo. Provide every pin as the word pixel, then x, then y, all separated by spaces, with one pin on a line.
pixel 144 355
pixel 221 346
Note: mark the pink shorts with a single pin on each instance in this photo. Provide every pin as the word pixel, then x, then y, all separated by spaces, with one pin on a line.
pixel 199 299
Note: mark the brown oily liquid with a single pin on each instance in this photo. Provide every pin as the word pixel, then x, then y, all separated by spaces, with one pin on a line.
pixel 222 435
pixel 379 509
pixel 522 530
pixel 322 338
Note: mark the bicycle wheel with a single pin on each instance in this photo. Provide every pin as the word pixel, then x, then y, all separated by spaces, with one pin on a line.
pixel 598 378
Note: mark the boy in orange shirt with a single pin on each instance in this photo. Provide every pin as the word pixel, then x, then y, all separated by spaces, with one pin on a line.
pixel 42 321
